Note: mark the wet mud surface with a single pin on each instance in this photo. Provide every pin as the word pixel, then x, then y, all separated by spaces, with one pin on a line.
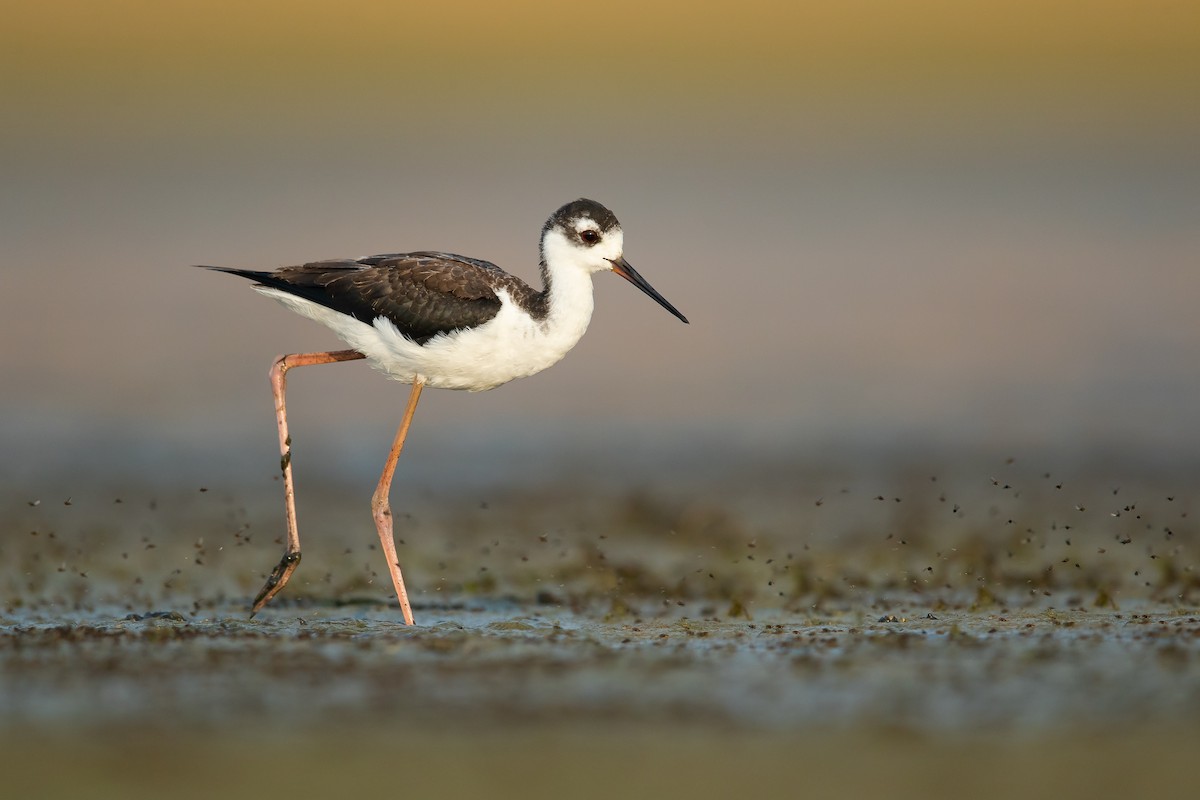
pixel 896 632
pixel 947 672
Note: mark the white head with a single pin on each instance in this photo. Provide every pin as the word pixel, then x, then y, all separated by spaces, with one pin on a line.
pixel 585 236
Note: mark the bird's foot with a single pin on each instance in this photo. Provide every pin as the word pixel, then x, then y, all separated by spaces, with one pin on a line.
pixel 276 581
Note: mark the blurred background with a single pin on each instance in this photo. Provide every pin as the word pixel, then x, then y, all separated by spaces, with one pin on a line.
pixel 893 226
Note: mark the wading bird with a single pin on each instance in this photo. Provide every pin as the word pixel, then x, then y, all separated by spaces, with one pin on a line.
pixel 444 321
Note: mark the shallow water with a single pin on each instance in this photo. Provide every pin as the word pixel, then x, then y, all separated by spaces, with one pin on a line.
pixel 949 672
pixel 835 631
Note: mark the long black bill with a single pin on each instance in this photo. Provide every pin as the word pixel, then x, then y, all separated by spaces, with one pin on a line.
pixel 626 271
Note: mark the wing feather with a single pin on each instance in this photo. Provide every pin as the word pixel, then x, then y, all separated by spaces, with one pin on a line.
pixel 423 294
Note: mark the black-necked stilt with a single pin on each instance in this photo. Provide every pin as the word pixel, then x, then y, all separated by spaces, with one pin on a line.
pixel 441 320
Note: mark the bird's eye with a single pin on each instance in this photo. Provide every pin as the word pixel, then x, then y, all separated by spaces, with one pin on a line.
pixel 589 236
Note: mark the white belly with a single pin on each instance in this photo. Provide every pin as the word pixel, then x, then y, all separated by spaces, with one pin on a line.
pixel 510 345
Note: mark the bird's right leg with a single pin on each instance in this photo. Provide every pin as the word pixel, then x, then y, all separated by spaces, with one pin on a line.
pixel 278 375
pixel 381 507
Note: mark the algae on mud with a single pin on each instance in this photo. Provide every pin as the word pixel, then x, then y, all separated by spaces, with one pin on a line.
pixel 967 612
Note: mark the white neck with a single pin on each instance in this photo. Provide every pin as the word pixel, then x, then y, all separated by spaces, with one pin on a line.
pixel 567 269
pixel 570 302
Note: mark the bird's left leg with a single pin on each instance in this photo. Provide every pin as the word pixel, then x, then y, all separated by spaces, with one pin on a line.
pixel 278 375
pixel 381 508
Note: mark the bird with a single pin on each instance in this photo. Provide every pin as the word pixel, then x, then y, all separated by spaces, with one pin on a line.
pixel 439 320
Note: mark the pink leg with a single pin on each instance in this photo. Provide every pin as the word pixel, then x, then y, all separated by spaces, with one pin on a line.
pixel 381 508
pixel 291 556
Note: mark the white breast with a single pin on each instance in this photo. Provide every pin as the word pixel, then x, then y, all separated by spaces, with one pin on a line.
pixel 510 345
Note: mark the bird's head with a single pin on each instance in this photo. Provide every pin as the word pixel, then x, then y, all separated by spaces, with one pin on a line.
pixel 585 236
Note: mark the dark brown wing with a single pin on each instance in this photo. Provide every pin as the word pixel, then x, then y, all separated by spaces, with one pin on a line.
pixel 422 294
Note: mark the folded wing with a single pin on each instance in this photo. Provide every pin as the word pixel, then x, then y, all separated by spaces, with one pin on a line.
pixel 422 294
